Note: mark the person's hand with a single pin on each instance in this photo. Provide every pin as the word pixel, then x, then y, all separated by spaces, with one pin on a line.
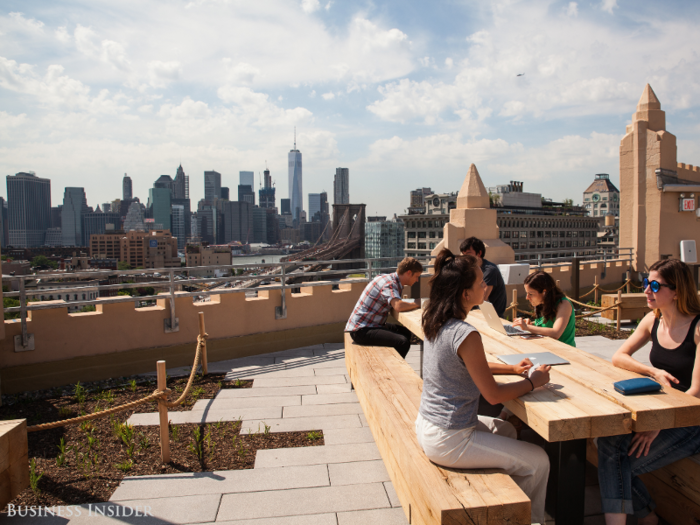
pixel 663 377
pixel 641 442
pixel 540 376
pixel 522 367
pixel 522 323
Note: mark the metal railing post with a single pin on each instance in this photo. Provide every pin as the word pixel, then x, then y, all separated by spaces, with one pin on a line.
pixel 281 311
pixel 172 324
pixel 539 261
pixel 369 269
pixel 25 341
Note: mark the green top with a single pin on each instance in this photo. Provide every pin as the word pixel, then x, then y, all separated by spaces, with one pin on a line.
pixel 569 332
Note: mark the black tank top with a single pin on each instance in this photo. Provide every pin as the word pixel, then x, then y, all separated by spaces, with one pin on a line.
pixel 678 362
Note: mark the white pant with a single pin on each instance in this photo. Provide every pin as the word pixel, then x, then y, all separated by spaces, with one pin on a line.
pixel 491 444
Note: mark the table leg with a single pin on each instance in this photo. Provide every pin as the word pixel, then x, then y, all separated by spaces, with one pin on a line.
pixel 567 481
pixel 420 373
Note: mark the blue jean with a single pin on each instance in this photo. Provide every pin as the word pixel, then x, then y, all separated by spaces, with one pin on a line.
pixel 621 490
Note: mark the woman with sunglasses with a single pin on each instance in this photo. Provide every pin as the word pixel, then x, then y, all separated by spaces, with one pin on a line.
pixel 455 372
pixel 674 331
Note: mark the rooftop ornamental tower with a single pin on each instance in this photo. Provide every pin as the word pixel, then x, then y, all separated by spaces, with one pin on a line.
pixel 295 182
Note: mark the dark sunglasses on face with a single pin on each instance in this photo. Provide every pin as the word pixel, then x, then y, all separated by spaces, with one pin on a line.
pixel 655 285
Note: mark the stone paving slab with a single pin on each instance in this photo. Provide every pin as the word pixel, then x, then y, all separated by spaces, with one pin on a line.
pixel 364 517
pixel 300 424
pixel 363 420
pixel 334 389
pixel 314 519
pixel 304 351
pixel 220 482
pixel 329 399
pixel 275 371
pixel 322 410
pixel 334 371
pixel 296 502
pixel 239 393
pixel 327 454
pixel 163 511
pixel 391 493
pixel 208 416
pixel 220 404
pixel 344 436
pixel 325 361
pixel 358 472
pixel 265 382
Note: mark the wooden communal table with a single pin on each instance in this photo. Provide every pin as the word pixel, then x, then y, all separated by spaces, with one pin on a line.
pixel 578 403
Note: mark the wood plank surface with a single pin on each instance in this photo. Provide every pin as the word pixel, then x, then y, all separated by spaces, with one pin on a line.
pixel 669 408
pixel 387 388
pixel 560 411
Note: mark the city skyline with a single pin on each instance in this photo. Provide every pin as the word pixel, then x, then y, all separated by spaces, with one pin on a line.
pixel 536 91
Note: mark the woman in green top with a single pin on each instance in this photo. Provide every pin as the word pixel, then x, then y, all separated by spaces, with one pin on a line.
pixel 554 312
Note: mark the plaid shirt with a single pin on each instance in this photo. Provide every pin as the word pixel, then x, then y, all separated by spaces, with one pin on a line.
pixel 374 304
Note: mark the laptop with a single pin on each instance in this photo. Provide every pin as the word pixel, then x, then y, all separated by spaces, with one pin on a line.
pixel 541 358
pixel 495 322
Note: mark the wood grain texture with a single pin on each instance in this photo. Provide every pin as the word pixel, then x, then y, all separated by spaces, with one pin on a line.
pixel 14 460
pixel 389 393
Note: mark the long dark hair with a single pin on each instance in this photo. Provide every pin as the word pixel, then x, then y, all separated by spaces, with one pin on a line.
pixel 679 275
pixel 543 282
pixel 453 275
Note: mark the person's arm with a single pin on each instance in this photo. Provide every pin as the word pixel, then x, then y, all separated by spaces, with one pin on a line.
pixel 560 322
pixel 623 357
pixel 471 351
pixel 504 369
pixel 403 306
pixel 694 389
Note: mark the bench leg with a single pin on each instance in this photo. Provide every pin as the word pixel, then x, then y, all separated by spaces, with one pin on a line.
pixel 567 481
pixel 420 373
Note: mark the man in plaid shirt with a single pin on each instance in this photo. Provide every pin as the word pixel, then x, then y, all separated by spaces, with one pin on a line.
pixel 367 324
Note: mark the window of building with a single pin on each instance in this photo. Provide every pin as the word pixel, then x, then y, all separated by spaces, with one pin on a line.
pixel 532 245
pixel 523 235
pixel 555 244
pixel 432 245
pixel 421 246
pixel 540 244
pixel 439 234
pixel 506 235
pixel 421 235
pixel 412 245
pixel 547 234
pixel 547 244
pixel 540 234
pixel 568 244
pixel 411 235
pixel 562 234
pixel 432 235
pixel 575 244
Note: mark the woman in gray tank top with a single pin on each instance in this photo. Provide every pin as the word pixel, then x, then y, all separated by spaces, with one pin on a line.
pixel 455 372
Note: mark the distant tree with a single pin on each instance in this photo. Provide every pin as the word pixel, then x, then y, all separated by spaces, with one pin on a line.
pixel 124 292
pixel 88 308
pixel 121 265
pixel 43 262
pixel 9 302
pixel 568 202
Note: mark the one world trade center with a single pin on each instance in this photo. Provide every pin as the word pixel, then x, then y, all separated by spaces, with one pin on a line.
pixel 295 189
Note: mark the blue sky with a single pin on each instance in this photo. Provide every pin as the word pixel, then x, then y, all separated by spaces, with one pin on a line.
pixel 405 94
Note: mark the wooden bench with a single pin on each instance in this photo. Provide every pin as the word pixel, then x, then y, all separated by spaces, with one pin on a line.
pixel 675 488
pixel 389 392
pixel 634 306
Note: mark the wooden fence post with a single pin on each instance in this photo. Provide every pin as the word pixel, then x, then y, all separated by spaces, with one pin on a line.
pixel 163 412
pixel 619 309
pixel 629 275
pixel 596 293
pixel 202 331
pixel 514 305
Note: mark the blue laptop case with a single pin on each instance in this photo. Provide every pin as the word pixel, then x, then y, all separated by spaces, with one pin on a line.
pixel 639 385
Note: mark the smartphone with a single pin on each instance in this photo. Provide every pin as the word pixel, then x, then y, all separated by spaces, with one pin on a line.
pixel 531 336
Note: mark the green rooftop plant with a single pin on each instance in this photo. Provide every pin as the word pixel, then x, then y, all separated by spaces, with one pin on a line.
pixel 125 466
pixel 80 393
pixel 61 458
pixel 34 477
pixel 314 435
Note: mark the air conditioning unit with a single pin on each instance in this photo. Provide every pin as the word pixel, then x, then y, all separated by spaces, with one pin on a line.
pixel 514 273
pixel 688 252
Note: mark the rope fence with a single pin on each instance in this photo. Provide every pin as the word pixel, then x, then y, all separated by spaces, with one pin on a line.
pixel 160 395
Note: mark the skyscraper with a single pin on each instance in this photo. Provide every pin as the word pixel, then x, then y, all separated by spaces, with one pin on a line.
pixel 95 223
pixel 127 192
pixel 295 182
pixel 238 222
pixel 165 181
pixel 314 206
pixel 134 218
pixel 267 193
pixel 178 225
pixel 29 209
pixel 212 185
pixel 285 207
pixel 181 184
pixel 160 202
pixel 246 194
pixel 74 207
pixel 246 178
pixel 341 186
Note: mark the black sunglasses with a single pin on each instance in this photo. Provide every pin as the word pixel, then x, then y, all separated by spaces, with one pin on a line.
pixel 655 285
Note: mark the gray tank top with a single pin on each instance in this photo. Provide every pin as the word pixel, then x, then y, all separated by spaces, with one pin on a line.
pixel 450 398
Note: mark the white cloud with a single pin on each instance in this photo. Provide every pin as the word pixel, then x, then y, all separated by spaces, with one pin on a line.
pixel 572 9
pixel 328 96
pixel 406 100
pixel 241 73
pixel 187 110
pixel 256 109
pixel 113 53
pixel 309 6
pixel 312 94
pixel 449 63
pixel 163 73
pixel 608 5
pixel 84 41
pixel 63 35
pixel 30 24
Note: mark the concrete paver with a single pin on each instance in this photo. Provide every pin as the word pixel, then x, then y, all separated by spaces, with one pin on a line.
pixel 344 436
pixel 264 382
pixel 358 472
pixel 327 454
pixel 363 517
pixel 220 482
pixel 293 502
pixel 220 404
pixel 332 371
pixel 314 519
pixel 297 424
pixel 208 416
pixel 322 410
pixel 275 371
pixel 334 389
pixel 329 399
pixel 238 393
pixel 391 493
